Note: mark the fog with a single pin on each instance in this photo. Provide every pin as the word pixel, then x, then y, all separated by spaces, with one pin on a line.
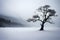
pixel 18 11
pixel 25 9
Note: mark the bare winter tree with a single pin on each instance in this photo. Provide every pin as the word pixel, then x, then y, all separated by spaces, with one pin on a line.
pixel 45 14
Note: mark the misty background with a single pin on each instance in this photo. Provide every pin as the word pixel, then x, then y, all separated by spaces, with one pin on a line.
pixel 16 12
pixel 21 10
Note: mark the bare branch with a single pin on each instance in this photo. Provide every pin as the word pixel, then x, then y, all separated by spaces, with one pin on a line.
pixel 40 9
pixel 29 20
pixel 55 15
pixel 49 19
pixel 46 6
pixel 50 22
pixel 36 16
pixel 33 20
pixel 40 20
pixel 51 12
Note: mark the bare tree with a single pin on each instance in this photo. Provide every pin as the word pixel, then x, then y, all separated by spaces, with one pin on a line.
pixel 45 15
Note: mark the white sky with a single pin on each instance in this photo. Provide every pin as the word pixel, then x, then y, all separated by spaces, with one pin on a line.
pixel 26 8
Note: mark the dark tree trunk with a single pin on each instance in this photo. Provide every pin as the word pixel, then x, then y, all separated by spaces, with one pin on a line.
pixel 42 26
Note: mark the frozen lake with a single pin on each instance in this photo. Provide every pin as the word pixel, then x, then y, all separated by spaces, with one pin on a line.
pixel 29 33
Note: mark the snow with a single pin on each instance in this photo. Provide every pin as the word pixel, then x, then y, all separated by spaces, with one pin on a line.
pixel 30 33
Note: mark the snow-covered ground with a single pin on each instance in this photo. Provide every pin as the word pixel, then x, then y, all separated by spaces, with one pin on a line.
pixel 30 33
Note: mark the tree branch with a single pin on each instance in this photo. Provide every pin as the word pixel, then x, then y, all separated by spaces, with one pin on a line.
pixel 50 22
pixel 40 20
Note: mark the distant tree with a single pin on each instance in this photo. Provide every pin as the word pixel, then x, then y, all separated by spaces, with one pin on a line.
pixel 3 21
pixel 45 14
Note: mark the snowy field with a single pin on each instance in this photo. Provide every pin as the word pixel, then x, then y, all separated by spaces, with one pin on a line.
pixel 30 33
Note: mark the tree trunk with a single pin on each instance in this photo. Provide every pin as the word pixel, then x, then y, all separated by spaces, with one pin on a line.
pixel 42 26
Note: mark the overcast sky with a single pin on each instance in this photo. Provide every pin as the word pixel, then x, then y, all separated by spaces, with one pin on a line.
pixel 26 8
